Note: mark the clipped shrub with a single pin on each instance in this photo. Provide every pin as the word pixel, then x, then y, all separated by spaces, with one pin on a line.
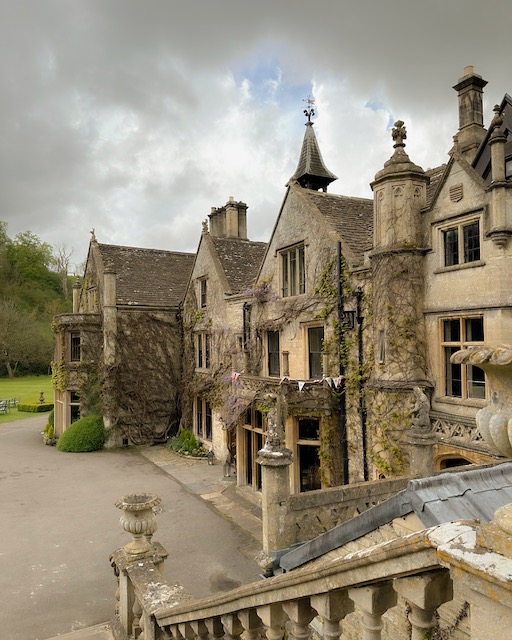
pixel 187 444
pixel 36 407
pixel 49 430
pixel 86 434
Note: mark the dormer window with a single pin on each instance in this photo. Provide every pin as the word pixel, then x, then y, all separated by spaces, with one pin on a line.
pixel 293 280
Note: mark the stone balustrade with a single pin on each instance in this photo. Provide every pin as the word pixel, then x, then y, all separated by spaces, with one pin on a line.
pixel 453 580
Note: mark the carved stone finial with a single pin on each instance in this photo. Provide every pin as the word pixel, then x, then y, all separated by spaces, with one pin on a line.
pixel 496 123
pixel 399 134
pixel 93 235
pixel 205 226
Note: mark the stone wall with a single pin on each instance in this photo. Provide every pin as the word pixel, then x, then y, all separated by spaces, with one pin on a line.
pixel 315 512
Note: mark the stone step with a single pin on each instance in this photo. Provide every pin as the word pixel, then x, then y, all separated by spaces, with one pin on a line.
pixel 98 632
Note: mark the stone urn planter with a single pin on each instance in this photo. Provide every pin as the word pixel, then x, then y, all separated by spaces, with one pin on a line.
pixel 138 518
pixel 495 419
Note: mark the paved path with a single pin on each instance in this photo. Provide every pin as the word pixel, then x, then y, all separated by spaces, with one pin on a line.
pixel 59 525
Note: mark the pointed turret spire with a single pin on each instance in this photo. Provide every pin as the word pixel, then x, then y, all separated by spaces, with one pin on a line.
pixel 311 172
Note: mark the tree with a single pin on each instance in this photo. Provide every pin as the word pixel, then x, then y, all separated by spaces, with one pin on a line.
pixel 23 342
pixel 61 258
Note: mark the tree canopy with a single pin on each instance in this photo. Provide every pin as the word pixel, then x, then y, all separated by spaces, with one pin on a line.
pixel 33 288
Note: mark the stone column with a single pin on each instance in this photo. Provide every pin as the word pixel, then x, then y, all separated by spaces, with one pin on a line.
pixel 373 602
pixel 275 460
pixel 424 593
pixel 76 295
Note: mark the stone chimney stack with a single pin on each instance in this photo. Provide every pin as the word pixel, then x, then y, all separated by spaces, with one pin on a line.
pixel 229 221
pixel 471 124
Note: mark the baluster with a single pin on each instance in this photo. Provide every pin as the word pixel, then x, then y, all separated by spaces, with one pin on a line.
pixel 215 628
pixel 137 612
pixel 300 613
pixel 332 607
pixel 200 629
pixel 251 624
pixel 186 631
pixel 232 627
pixel 273 618
pixel 424 593
pixel 373 602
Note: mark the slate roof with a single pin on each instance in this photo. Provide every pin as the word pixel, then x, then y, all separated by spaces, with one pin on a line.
pixel 462 495
pixel 435 176
pixel 311 171
pixel 148 277
pixel 352 218
pixel 240 259
pixel 482 161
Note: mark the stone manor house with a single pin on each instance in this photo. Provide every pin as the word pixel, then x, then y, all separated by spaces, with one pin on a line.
pixel 344 323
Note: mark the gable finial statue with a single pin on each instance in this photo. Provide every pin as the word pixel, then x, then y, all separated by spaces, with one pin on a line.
pixel 93 235
pixel 205 226
pixel 399 134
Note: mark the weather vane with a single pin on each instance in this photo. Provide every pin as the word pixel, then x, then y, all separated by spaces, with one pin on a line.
pixel 310 111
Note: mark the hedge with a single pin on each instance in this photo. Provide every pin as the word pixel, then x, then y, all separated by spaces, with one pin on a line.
pixel 86 434
pixel 35 407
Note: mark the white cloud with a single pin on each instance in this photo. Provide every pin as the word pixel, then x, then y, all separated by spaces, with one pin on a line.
pixel 135 119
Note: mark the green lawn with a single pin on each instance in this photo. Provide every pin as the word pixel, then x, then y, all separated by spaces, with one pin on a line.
pixel 26 389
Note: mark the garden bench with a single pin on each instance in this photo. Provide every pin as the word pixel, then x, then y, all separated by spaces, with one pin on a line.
pixel 4 406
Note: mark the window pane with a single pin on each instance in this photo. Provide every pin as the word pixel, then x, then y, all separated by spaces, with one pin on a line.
pixel 302 276
pixel 453 374
pixel 452 330
pixel 309 429
pixel 273 353
pixel 315 343
pixel 451 247
pixel 474 329
pixel 203 293
pixel 293 272
pixel 475 382
pixel 208 421
pixel 200 351
pixel 471 234
pixel 199 417
pixel 75 347
pixel 284 268
pixel 207 350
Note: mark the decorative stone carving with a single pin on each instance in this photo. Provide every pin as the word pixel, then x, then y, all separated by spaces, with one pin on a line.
pixel 495 419
pixel 139 519
pixel 421 411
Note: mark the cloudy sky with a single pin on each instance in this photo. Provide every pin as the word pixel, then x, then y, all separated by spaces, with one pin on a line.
pixel 135 117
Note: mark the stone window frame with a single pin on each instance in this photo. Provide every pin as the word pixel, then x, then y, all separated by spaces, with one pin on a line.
pixel 202 292
pixel 75 346
pixel 458 224
pixel 449 346
pixel 202 350
pixel 308 352
pixel 301 445
pixel 292 270
pixel 73 406
pixel 203 419
pixel 273 357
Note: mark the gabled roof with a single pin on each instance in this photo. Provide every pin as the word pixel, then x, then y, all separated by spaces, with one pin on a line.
pixel 240 259
pixel 311 171
pixel 482 161
pixel 435 175
pixel 462 495
pixel 148 277
pixel 351 218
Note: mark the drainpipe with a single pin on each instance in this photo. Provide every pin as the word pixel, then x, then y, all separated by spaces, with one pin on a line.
pixel 362 406
pixel 342 387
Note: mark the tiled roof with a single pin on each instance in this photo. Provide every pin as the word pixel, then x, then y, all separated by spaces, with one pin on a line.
pixel 352 218
pixel 148 277
pixel 240 259
pixel 435 176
